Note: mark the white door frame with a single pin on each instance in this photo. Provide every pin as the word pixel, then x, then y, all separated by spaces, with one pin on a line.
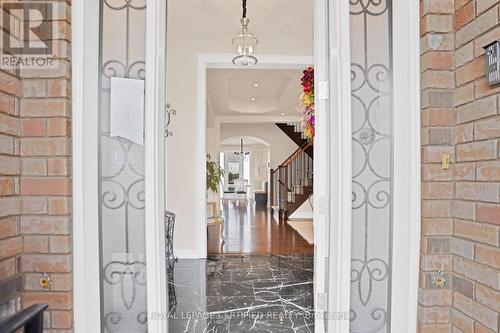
pixel 85 59
pixel 406 195
pixel 206 61
pixel 85 83
pixel 154 165
pixel 221 61
pixel 334 126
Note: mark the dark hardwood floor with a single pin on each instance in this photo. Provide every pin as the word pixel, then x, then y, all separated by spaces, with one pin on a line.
pixel 251 229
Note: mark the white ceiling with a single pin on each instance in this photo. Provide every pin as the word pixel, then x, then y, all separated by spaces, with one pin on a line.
pixel 281 26
pixel 247 140
pixel 231 92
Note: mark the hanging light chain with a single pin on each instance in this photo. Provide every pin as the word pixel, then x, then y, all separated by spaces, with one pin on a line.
pixel 244 42
pixel 244 9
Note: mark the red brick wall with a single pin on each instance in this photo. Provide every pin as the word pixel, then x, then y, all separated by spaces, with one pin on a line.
pixel 11 240
pixel 438 121
pixel 460 206
pixel 35 181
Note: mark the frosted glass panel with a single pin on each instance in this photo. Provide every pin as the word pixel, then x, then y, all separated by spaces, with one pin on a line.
pixel 371 79
pixel 121 172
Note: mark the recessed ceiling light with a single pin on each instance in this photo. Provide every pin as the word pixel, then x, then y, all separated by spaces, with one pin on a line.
pixel 282 113
pixel 256 85
pixel 253 99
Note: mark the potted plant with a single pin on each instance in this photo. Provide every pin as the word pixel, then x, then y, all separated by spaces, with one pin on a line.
pixel 214 175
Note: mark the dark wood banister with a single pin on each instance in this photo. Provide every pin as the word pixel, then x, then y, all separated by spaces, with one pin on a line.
pixel 287 181
pixel 295 154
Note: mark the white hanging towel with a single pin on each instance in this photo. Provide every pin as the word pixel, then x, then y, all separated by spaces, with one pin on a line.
pixel 127 109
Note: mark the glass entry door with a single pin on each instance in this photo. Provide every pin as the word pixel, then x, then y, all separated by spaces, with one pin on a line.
pixel 121 165
pixel 375 183
pixel 372 157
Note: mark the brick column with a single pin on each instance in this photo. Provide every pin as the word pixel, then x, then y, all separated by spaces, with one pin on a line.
pixel 438 120
pixel 476 209
pixel 45 185
pixel 11 242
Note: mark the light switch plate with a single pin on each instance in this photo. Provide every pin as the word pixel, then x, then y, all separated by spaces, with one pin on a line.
pixel 445 161
pixel 323 91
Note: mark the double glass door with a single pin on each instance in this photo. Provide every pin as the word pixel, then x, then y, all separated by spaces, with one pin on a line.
pixel 122 174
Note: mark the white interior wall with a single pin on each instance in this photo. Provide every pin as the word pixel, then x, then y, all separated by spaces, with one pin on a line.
pixel 208 26
pixel 280 145
pixel 210 144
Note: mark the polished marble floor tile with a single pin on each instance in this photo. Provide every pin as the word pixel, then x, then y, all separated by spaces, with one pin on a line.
pixel 242 293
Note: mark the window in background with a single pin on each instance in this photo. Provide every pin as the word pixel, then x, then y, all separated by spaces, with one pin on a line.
pixel 246 169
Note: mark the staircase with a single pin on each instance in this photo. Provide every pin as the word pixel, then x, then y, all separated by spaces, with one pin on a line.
pixel 292 181
pixel 294 131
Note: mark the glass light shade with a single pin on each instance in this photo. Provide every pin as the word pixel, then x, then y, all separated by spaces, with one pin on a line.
pixel 245 45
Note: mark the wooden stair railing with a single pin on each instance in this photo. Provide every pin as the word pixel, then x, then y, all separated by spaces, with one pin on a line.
pixel 292 182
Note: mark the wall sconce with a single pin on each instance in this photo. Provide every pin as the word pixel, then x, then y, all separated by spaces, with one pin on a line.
pixel 493 63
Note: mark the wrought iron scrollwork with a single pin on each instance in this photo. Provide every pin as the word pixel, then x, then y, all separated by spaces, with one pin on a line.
pixel 142 317
pixel 369 7
pixel 128 275
pixel 126 4
pixel 116 68
pixel 371 84
pixel 112 319
pixel 122 196
pixel 367 273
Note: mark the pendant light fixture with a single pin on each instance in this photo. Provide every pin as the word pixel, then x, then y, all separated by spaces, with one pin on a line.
pixel 241 153
pixel 244 43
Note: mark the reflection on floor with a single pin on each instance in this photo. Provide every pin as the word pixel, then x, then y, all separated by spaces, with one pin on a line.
pixel 251 229
pixel 267 293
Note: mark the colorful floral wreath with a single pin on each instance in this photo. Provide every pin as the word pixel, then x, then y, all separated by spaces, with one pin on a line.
pixel 308 101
